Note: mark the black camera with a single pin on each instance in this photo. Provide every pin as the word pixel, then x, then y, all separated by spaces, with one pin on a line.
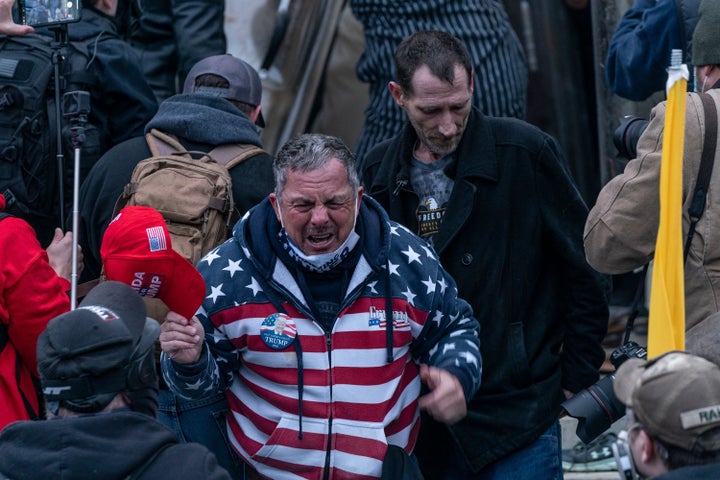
pixel 627 134
pixel 597 407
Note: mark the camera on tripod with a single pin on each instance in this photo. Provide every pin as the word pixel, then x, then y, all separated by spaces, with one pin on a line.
pixel 597 407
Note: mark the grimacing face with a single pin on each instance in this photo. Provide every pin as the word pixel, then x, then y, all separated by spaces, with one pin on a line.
pixel 436 109
pixel 318 208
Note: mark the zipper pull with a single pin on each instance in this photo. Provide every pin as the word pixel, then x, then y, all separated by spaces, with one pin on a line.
pixel 400 184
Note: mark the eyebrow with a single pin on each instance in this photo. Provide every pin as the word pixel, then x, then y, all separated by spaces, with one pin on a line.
pixel 333 199
pixel 458 104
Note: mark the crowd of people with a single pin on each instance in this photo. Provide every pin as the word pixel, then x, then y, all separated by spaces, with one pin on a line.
pixel 418 308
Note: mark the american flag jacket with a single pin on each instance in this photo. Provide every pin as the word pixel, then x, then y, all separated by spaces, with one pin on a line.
pixel 311 403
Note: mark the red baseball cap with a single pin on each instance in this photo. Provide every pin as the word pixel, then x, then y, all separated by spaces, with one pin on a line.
pixel 137 250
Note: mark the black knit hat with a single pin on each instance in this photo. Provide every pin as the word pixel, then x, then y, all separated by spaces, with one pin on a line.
pixel 88 355
pixel 706 37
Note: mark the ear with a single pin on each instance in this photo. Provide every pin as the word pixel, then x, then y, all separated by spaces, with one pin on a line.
pixel 108 7
pixel 472 80
pixel 647 459
pixel 647 448
pixel 276 205
pixel 359 199
pixel 255 113
pixel 710 74
pixel 397 93
pixel 713 71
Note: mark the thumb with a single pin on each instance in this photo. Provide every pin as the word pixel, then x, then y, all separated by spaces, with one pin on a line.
pixel 427 377
pixel 58 235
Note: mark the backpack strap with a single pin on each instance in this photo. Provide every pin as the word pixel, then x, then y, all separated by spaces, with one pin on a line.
pixel 163 144
pixel 233 154
pixel 31 41
pixel 230 155
pixel 697 207
pixel 160 145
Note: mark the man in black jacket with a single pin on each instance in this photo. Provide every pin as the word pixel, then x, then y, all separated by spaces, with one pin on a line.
pixel 91 362
pixel 495 199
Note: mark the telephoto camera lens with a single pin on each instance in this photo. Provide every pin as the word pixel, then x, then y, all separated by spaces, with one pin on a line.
pixel 597 407
pixel 627 134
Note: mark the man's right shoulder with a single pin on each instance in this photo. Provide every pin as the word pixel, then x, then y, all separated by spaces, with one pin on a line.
pixel 215 262
pixel 370 164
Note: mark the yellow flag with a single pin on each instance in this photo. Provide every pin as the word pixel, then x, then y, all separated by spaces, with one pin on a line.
pixel 666 323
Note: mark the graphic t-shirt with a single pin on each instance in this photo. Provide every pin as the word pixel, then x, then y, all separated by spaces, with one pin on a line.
pixel 433 187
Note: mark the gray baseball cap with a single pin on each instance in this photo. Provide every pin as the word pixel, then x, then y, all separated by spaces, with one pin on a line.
pixel 243 79
pixel 675 396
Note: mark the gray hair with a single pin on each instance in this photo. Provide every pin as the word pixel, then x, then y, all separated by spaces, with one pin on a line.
pixel 308 152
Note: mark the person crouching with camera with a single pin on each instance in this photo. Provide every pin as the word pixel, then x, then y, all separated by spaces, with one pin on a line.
pixel 673 418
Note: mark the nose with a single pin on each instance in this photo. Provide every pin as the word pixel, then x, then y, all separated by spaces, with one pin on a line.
pixel 447 127
pixel 319 215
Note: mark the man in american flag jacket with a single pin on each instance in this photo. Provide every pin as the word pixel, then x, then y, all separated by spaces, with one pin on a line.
pixel 321 321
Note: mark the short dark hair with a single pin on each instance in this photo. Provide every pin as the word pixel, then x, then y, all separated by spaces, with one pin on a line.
pixel 439 50
pixel 212 80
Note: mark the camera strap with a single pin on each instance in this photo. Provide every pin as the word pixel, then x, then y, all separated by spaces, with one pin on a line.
pixel 635 309
pixel 697 207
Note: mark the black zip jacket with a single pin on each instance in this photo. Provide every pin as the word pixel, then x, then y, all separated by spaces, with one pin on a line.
pixel 512 240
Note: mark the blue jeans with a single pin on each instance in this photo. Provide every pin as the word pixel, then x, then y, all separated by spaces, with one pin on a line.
pixel 202 421
pixel 541 460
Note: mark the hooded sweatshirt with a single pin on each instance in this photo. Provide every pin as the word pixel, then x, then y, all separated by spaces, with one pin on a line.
pixel 108 445
pixel 31 294
pixel 319 398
